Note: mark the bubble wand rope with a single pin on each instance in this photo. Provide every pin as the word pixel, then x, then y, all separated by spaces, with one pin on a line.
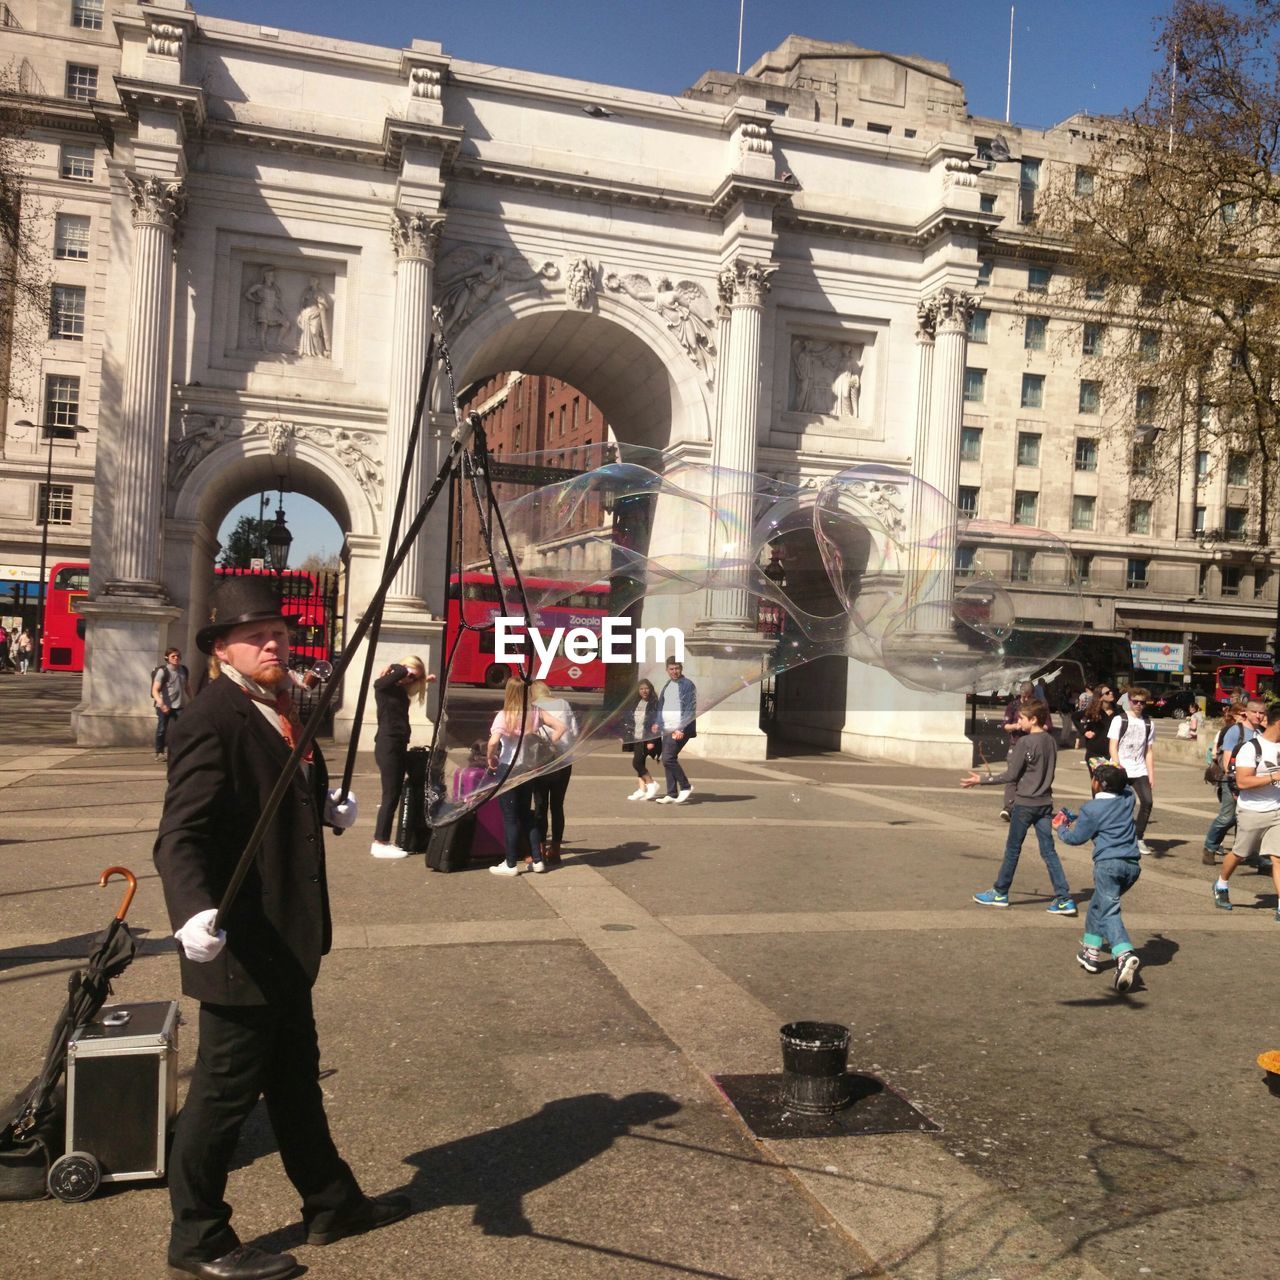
pixel 461 440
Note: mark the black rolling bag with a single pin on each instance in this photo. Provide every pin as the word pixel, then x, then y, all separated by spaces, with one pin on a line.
pixel 449 848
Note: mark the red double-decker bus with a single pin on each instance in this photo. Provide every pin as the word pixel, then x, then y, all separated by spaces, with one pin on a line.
pixel 303 605
pixel 62 630
pixel 475 597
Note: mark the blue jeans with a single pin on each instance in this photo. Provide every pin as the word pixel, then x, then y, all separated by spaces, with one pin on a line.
pixel 1225 820
pixel 163 720
pixel 1112 877
pixel 520 824
pixel 1021 817
pixel 677 779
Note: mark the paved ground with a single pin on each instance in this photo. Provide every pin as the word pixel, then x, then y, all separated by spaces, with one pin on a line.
pixel 533 1059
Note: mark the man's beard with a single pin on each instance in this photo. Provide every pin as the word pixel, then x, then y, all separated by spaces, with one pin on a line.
pixel 271 674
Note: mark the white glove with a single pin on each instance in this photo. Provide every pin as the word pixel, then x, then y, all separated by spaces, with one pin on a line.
pixel 340 815
pixel 197 938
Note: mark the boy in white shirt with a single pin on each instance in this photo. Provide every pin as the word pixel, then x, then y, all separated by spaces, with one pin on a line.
pixel 1133 749
pixel 1257 807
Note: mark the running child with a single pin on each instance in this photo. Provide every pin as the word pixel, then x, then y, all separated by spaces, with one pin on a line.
pixel 1107 820
pixel 1032 763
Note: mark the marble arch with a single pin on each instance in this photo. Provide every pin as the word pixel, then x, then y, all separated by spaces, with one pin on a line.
pixel 286 211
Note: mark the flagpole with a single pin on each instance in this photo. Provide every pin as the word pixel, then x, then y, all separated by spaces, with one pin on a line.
pixel 1173 94
pixel 742 13
pixel 1008 90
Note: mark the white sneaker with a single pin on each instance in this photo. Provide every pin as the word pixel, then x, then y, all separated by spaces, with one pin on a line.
pixel 638 794
pixel 682 796
pixel 503 870
pixel 380 850
pixel 666 800
pixel 651 791
pixel 539 868
pixel 1144 848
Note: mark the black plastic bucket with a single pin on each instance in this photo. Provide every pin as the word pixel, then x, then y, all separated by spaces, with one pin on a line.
pixel 815 1056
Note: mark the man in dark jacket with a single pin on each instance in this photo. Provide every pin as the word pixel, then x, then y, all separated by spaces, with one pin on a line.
pixel 253 979
pixel 677 709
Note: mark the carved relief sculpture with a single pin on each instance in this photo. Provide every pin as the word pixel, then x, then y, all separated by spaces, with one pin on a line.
pixel 826 377
pixel 313 321
pixel 580 286
pixel 354 451
pixel 427 82
pixel 685 309
pixel 471 278
pixel 268 311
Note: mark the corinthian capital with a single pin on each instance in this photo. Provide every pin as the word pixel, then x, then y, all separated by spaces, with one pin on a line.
pixel 415 235
pixel 745 282
pixel 953 309
pixel 157 202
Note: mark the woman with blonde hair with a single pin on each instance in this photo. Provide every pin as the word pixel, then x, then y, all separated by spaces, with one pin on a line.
pixel 392 690
pixel 513 736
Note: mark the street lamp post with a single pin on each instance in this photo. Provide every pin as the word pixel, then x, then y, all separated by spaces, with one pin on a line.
pixel 60 431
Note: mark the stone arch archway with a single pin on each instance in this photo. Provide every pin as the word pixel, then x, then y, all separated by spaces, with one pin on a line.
pixel 618 354
pixel 236 470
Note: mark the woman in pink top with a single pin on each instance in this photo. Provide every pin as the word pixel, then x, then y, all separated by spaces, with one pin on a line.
pixel 509 735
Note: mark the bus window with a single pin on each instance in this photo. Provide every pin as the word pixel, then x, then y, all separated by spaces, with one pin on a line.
pixel 1230 678
pixel 72 578
pixel 1265 685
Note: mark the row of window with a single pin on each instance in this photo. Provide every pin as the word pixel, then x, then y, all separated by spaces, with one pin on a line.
pixel 1088 400
pixel 1035 332
pixel 1142 459
pixel 1026 507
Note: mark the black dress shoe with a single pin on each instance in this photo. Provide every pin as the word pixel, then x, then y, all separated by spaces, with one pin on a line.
pixel 371 1213
pixel 244 1262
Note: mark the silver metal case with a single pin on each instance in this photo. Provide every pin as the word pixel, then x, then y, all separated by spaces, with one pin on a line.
pixel 122 1088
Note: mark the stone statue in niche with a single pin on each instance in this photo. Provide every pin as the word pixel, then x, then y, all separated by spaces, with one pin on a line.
pixel 268 311
pixel 313 321
pixel 826 377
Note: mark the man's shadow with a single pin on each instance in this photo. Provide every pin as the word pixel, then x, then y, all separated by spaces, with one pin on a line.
pixel 496 1169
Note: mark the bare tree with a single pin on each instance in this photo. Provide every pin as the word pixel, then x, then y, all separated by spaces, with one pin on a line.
pixel 24 268
pixel 1172 238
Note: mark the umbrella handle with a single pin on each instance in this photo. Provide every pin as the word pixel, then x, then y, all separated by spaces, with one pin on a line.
pixel 128 893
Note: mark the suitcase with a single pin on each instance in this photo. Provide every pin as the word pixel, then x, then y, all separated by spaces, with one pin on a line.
pixel 488 839
pixel 122 1093
pixel 449 848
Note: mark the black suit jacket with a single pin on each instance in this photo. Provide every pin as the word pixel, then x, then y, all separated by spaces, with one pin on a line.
pixel 224 760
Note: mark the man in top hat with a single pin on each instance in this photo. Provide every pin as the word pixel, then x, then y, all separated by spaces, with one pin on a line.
pixel 253 979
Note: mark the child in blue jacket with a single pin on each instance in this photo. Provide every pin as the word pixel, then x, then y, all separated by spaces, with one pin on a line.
pixel 1107 820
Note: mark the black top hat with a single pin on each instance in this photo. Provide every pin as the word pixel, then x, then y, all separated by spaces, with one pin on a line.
pixel 237 600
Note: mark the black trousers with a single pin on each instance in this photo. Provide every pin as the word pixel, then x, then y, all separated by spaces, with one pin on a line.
pixel 390 756
pixel 548 794
pixel 677 779
pixel 247 1052
pixel 641 754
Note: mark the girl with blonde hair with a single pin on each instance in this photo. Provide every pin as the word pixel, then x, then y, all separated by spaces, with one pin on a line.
pixel 510 736
pixel 549 788
pixel 392 690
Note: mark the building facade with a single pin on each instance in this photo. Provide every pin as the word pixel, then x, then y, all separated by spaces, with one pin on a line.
pixel 777 273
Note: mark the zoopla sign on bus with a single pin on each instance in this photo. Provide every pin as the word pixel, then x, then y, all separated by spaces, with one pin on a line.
pixel 618 640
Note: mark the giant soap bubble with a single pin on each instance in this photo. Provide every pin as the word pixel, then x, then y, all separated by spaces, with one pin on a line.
pixel 757 574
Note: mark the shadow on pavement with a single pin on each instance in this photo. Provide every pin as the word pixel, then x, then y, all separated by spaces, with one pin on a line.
pixel 617 855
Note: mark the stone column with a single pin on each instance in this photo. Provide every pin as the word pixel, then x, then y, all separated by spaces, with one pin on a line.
pixel 926 328
pixel 414 236
pixel 938 462
pixel 138 500
pixel 744 286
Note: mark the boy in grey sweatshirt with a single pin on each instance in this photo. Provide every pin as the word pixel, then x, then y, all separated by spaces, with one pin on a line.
pixel 1031 767
pixel 1107 820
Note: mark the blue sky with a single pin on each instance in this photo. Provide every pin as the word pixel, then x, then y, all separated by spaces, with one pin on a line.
pixel 1069 55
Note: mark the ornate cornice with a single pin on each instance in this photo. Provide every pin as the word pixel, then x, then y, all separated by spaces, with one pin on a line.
pixel 415 235
pixel 444 138
pixel 184 100
pixel 157 202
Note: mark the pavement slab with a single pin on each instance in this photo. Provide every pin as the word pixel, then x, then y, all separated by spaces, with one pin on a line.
pixel 533 1059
